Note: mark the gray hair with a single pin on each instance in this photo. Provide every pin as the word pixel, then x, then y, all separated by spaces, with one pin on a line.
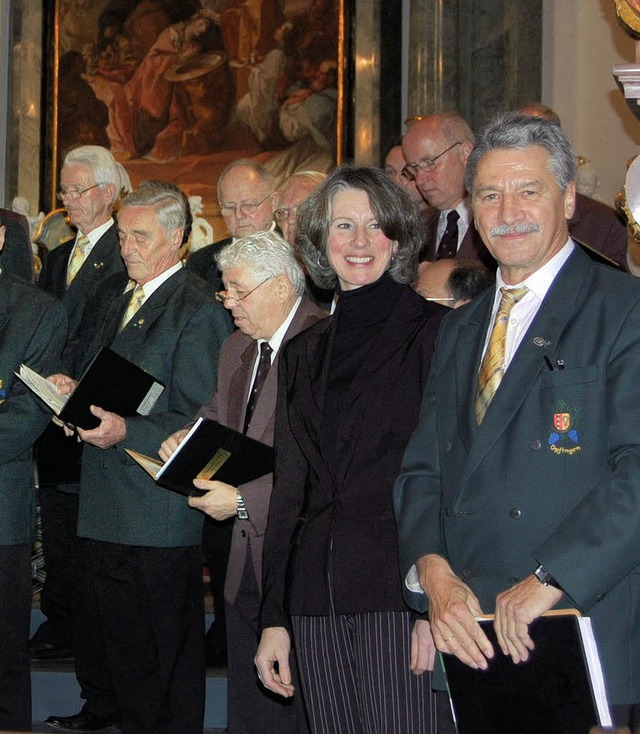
pixel 104 167
pixel 170 204
pixel 267 255
pixel 264 175
pixel 513 130
pixel 394 209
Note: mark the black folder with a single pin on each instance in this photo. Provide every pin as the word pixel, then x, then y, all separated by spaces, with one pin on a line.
pixel 559 690
pixel 110 381
pixel 209 451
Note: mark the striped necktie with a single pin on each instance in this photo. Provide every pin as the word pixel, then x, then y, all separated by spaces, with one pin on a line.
pixel 492 368
pixel 77 258
pixel 134 304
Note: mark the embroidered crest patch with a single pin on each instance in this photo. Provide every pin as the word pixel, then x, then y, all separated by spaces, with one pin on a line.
pixel 563 438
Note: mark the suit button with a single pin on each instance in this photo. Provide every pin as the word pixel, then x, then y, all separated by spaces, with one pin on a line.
pixel 104 465
pixel 448 512
pixel 243 533
pixel 447 447
pixel 535 444
pixel 515 513
pixel 513 580
pixel 466 573
pixel 345 438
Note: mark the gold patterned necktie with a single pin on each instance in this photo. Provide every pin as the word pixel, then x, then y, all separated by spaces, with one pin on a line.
pixel 134 304
pixel 492 367
pixel 77 258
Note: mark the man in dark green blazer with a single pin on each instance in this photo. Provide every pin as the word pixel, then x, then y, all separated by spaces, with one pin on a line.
pixel 520 489
pixel 139 646
pixel 33 330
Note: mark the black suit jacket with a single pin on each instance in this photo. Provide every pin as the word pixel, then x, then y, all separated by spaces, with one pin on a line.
pixel 340 517
pixel 203 263
pixel 103 260
pixel 552 475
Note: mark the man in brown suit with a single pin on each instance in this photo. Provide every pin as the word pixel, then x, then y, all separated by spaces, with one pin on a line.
pixel 264 286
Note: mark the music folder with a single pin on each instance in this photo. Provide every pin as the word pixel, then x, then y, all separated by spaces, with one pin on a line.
pixel 558 690
pixel 209 451
pixel 110 381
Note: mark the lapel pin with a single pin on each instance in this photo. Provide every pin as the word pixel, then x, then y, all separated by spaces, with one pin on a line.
pixel 98 265
pixel 540 342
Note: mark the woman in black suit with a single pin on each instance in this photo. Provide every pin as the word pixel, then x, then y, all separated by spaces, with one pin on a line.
pixel 349 393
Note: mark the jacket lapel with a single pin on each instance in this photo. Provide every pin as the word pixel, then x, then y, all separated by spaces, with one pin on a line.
pixel 542 337
pixel 239 387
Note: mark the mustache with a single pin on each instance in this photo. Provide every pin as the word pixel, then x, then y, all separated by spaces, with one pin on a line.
pixel 506 229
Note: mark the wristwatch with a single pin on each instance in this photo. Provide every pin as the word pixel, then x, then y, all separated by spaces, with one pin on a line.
pixel 241 512
pixel 545 578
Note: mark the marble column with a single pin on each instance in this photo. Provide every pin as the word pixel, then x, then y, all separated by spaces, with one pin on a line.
pixel 26 86
pixel 478 58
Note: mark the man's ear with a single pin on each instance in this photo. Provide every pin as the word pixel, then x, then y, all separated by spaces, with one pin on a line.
pixel 570 200
pixel 465 150
pixel 283 288
pixel 3 232
pixel 275 200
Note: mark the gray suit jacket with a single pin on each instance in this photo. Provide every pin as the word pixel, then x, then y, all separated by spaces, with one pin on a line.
pixel 228 406
pixel 553 474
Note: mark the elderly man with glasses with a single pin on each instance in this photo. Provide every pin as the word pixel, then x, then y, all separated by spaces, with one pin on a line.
pixel 91 182
pixel 247 203
pixel 264 294
pixel 436 149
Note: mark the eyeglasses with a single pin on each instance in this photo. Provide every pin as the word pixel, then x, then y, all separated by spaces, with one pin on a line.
pixel 74 193
pixel 281 214
pixel 426 165
pixel 223 297
pixel 246 210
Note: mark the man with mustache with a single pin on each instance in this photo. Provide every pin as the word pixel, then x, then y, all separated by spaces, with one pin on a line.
pixel 530 496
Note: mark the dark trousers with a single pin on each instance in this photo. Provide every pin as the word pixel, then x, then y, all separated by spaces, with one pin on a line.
pixel 248 701
pixel 59 513
pixel 356 678
pixel 216 546
pixel 15 616
pixel 140 636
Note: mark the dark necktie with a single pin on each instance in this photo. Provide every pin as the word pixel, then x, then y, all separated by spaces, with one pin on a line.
pixel 448 246
pixel 264 365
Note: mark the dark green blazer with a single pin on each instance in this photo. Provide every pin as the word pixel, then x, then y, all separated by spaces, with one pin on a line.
pixel 176 336
pixel 33 330
pixel 553 474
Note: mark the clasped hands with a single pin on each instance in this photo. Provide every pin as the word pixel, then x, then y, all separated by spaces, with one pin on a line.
pixel 453 609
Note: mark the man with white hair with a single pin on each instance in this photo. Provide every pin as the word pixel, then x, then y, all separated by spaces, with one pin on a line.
pixel 91 182
pixel 298 189
pixel 264 293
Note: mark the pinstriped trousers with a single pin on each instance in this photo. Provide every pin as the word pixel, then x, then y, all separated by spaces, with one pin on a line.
pixel 355 675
